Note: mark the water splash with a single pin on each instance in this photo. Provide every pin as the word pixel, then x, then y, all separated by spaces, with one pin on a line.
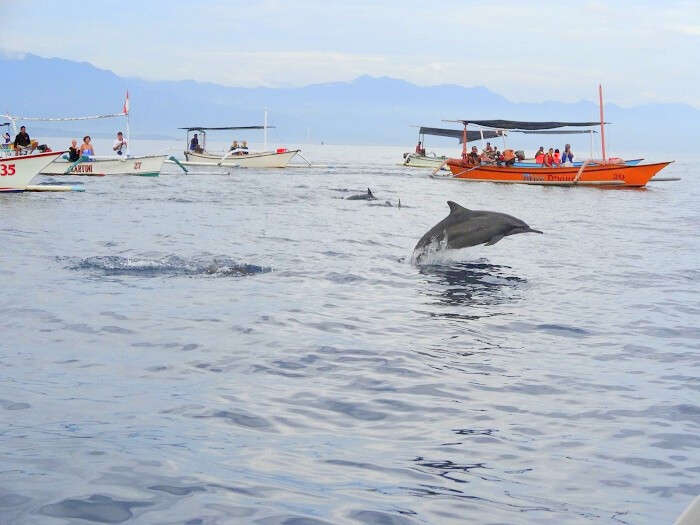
pixel 168 265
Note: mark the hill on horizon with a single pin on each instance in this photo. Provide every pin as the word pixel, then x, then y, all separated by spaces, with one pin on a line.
pixel 367 110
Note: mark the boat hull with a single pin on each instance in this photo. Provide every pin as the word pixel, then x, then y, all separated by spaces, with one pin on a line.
pixel 577 164
pixel 145 166
pixel 419 161
pixel 595 175
pixel 17 172
pixel 268 159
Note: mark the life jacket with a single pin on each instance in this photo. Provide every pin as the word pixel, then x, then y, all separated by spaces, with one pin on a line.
pixel 539 158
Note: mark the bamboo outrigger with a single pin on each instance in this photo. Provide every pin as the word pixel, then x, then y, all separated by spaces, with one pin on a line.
pixel 603 172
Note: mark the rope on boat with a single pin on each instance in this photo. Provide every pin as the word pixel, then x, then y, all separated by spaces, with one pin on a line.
pixel 299 154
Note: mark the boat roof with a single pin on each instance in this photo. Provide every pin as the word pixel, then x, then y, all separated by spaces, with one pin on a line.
pixel 472 135
pixel 222 128
pixel 524 125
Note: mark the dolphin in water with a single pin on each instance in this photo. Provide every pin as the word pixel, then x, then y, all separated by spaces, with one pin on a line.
pixel 369 196
pixel 463 228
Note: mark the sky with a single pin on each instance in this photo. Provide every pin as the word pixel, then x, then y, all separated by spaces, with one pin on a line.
pixel 643 52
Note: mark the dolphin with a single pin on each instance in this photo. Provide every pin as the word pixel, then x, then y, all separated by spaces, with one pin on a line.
pixel 369 196
pixel 463 228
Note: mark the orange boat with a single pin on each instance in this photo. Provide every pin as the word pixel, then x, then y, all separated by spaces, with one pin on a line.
pixel 605 172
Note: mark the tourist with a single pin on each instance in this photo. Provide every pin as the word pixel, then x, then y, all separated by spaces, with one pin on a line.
pixel 473 157
pixel 234 146
pixel 508 157
pixel 419 148
pixel 539 156
pixel 568 155
pixel 86 149
pixel 488 148
pixel 22 139
pixel 556 158
pixel 244 148
pixel 194 143
pixel 119 144
pixel 8 139
pixel 548 158
pixel 73 152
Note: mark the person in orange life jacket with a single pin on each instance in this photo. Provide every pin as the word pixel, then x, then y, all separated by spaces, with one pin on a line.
pixel 539 156
pixel 556 158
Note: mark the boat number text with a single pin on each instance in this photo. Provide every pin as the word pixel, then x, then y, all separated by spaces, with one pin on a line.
pixel 137 165
pixel 82 168
pixel 7 170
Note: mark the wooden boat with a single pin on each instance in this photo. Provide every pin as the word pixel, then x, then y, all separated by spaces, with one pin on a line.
pixel 634 176
pixel 127 164
pixel 143 165
pixel 423 160
pixel 16 172
pixel 603 172
pixel 240 158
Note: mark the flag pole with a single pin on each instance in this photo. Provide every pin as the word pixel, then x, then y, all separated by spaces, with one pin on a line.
pixel 602 122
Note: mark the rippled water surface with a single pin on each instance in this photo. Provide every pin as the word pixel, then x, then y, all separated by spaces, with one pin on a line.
pixel 249 347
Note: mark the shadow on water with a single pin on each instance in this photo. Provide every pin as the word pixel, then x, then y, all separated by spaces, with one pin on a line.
pixel 476 284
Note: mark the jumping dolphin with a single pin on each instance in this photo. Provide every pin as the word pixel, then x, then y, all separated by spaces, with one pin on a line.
pixel 463 228
pixel 369 196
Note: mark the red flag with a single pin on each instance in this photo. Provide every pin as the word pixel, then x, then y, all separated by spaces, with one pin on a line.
pixel 125 109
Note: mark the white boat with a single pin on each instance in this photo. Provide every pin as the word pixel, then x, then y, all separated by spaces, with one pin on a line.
pixel 264 159
pixel 16 172
pixel 421 160
pixel 430 160
pixel 239 158
pixel 143 165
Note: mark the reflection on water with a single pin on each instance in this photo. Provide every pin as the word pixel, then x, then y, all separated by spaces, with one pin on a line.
pixel 472 287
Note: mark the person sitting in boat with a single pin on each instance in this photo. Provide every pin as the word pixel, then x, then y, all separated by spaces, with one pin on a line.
pixel 119 144
pixel 568 155
pixel 234 147
pixel 420 150
pixel 73 151
pixel 86 149
pixel 194 143
pixel 244 147
pixel 520 155
pixel 556 158
pixel 548 160
pixel 539 156
pixel 473 158
pixel 508 157
pixel 7 138
pixel 22 139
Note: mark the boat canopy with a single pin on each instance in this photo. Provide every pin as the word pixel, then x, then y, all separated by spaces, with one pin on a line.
pixel 224 128
pixel 459 134
pixel 555 131
pixel 524 125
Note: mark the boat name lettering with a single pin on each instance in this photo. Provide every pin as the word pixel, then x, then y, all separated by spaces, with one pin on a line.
pixel 7 170
pixel 82 168
pixel 137 165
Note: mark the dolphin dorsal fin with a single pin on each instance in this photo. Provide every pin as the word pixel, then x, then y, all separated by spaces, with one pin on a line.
pixel 369 192
pixel 454 207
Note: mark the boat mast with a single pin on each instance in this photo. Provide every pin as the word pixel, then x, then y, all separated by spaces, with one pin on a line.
pixel 464 142
pixel 602 121
pixel 265 132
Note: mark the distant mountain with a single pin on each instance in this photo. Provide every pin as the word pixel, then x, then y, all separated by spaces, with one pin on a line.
pixel 367 110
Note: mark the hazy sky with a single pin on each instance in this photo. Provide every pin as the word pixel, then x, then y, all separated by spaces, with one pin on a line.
pixel 644 51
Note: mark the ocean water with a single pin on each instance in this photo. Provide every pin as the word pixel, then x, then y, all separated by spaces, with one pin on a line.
pixel 248 346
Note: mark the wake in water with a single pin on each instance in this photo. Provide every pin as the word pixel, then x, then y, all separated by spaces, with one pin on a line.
pixel 168 265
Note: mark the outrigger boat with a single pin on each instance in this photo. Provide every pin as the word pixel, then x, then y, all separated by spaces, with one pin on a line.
pixel 143 165
pixel 17 171
pixel 278 158
pixel 421 160
pixel 602 172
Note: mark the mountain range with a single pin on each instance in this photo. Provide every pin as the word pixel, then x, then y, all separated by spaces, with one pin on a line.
pixel 367 110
